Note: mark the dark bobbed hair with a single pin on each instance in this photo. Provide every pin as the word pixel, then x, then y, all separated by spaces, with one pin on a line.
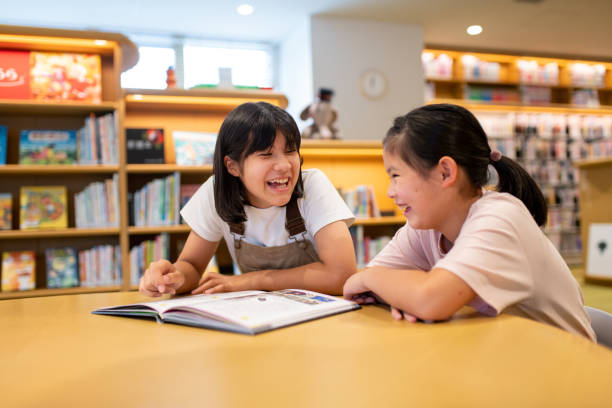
pixel 249 128
pixel 426 134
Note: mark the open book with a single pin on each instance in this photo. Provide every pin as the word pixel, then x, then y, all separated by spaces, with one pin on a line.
pixel 248 312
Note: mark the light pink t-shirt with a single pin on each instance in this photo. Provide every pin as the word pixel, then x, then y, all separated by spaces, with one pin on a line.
pixel 505 258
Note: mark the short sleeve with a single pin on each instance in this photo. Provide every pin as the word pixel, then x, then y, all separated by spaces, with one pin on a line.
pixel 322 204
pixel 404 251
pixel 488 255
pixel 201 215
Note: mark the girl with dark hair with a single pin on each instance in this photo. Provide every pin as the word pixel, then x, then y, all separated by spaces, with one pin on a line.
pixel 464 245
pixel 288 228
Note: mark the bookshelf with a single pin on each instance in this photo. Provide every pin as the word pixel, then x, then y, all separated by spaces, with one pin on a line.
pixel 544 112
pixel 116 54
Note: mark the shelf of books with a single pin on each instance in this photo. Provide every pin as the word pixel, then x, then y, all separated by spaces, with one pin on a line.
pixel 60 164
pixel 545 113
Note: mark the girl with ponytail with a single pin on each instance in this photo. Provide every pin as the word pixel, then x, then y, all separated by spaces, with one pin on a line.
pixel 463 244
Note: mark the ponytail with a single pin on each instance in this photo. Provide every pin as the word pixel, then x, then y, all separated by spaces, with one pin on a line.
pixel 513 179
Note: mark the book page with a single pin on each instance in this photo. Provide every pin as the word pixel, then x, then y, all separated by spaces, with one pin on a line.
pixel 269 308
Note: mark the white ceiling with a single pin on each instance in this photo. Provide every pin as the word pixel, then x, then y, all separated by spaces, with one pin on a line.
pixel 549 27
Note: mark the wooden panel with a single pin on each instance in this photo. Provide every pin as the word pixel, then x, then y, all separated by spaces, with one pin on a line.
pixel 595 191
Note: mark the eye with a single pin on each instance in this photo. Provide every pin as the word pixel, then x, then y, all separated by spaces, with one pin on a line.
pixel 264 154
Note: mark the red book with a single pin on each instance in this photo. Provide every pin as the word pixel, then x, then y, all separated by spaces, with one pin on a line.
pixel 14 74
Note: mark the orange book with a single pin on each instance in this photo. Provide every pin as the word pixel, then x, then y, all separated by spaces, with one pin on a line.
pixel 18 271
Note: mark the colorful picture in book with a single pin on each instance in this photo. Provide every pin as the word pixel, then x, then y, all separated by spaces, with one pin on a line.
pixel 6 208
pixel 62 269
pixel 194 148
pixel 65 77
pixel 3 137
pixel 47 147
pixel 18 271
pixel 15 78
pixel 43 207
pixel 145 145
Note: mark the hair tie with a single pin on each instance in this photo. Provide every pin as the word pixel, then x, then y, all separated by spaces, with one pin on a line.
pixel 495 155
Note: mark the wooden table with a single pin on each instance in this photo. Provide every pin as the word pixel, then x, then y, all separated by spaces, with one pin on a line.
pixel 55 353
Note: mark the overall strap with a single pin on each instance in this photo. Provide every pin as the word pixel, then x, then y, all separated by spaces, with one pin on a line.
pixel 295 222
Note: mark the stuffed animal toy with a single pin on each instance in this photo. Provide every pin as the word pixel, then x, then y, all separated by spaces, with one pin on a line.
pixel 323 116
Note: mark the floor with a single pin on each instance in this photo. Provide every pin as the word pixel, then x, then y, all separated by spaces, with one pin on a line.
pixel 599 296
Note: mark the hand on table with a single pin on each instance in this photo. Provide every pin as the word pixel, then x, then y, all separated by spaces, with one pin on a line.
pixel 161 277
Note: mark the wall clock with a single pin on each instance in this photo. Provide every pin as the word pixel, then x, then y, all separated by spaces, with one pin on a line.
pixel 373 84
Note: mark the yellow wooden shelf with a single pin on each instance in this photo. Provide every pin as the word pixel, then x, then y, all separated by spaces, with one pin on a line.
pixel 159 229
pixel 52 233
pixel 168 168
pixel 57 169
pixel 392 220
pixel 58 291
pixel 509 83
pixel 514 107
pixel 61 40
pixel 594 162
pixel 198 99
pixel 31 107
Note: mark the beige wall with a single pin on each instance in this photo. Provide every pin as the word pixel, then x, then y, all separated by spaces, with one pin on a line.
pixel 343 49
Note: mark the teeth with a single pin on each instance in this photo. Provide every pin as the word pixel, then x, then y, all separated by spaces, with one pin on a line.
pixel 280 181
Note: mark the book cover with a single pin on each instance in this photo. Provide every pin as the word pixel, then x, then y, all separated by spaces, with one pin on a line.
pixel 247 312
pixel 6 211
pixel 65 77
pixel 18 270
pixel 62 271
pixel 15 78
pixel 194 148
pixel 43 207
pixel 145 145
pixel 3 142
pixel 47 147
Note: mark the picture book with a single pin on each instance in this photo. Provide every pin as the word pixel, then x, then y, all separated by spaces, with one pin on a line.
pixel 65 77
pixel 6 211
pixel 43 207
pixel 62 271
pixel 247 312
pixel 194 148
pixel 145 145
pixel 3 137
pixel 47 147
pixel 18 271
pixel 15 78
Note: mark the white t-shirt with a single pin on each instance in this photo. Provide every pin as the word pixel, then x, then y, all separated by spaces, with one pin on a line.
pixel 504 256
pixel 320 206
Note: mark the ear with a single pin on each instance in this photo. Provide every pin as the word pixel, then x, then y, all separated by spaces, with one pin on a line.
pixel 448 169
pixel 232 166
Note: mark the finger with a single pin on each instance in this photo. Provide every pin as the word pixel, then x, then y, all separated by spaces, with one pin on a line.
pixel 410 318
pixel 173 279
pixel 396 313
pixel 220 288
pixel 204 286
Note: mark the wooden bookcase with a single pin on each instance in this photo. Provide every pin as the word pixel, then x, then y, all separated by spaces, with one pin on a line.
pixel 455 85
pixel 117 54
pixel 346 163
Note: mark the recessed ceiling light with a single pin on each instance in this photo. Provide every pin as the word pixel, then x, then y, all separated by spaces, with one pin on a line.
pixel 245 9
pixel 474 30
pixel 100 42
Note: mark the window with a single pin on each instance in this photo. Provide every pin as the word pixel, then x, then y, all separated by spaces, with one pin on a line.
pixel 250 67
pixel 197 62
pixel 150 71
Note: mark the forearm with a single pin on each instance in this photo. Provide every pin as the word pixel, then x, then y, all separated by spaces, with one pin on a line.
pixel 191 274
pixel 433 295
pixel 315 276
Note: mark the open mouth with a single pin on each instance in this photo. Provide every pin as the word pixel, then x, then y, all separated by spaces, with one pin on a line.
pixel 278 183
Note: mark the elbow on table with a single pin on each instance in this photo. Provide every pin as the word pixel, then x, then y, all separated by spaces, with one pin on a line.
pixel 339 276
pixel 434 306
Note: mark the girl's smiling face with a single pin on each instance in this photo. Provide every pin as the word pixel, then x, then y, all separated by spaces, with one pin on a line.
pixel 416 195
pixel 269 176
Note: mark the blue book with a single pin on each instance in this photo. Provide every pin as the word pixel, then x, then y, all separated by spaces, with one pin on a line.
pixel 3 136
pixel 62 268
pixel 47 147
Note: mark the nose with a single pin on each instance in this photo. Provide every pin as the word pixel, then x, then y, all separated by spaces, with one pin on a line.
pixel 281 162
